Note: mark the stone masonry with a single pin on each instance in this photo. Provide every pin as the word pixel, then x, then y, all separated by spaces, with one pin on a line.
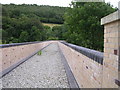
pixel 111 49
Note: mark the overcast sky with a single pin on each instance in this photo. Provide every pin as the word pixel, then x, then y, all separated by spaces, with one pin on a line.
pixel 63 3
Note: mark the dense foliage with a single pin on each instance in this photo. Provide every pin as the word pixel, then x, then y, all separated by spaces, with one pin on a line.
pixel 47 14
pixel 83 24
pixel 22 23
pixel 21 29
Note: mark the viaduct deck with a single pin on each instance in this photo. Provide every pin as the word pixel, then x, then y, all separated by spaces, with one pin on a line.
pixel 40 71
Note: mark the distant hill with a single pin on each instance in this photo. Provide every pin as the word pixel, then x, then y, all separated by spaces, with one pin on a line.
pixel 46 14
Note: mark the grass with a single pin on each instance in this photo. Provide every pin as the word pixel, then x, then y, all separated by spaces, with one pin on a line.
pixel 0 41
pixel 39 53
pixel 51 24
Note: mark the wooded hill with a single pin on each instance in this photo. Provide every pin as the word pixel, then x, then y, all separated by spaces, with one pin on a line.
pixel 46 14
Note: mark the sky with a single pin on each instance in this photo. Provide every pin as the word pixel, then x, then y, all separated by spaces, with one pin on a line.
pixel 63 3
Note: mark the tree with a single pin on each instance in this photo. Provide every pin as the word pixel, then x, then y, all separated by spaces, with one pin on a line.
pixel 22 22
pixel 83 23
pixel 36 34
pixel 58 32
pixel 3 36
pixel 24 36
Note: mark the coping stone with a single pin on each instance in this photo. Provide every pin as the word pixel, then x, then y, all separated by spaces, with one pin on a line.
pixel 111 18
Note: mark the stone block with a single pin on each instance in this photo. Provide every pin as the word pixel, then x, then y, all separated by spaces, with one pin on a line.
pixel 110 18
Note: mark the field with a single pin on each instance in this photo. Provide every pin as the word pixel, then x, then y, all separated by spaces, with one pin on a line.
pixel 0 41
pixel 51 24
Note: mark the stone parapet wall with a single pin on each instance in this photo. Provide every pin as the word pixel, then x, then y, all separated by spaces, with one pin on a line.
pixel 87 72
pixel 93 54
pixel 14 54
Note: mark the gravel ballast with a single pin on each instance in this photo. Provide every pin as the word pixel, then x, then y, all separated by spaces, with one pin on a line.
pixel 40 71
